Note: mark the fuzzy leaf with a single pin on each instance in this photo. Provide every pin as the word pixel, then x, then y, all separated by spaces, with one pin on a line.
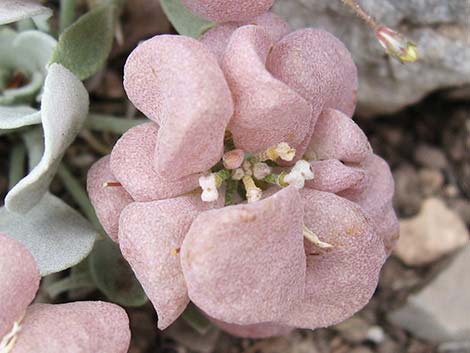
pixel 55 234
pixel 64 109
pixel 18 116
pixel 114 277
pixel 184 21
pixel 15 10
pixel 85 45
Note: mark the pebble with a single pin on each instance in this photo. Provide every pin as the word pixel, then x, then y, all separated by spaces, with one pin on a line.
pixel 436 231
pixel 439 312
pixel 354 330
pixel 431 157
pixel 376 334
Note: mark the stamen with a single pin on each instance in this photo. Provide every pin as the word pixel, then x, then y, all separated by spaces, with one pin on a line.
pixel 282 151
pixel 253 193
pixel 8 341
pixel 111 184
pixel 313 238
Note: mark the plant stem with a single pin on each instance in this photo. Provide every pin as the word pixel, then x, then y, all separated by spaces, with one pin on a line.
pixel 67 14
pixel 73 186
pixel 109 123
pixel 17 167
pixel 371 22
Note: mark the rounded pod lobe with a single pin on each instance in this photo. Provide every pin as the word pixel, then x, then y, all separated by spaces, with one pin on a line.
pixel 245 264
pixel 19 282
pixel 228 10
pixel 132 164
pixel 80 327
pixel 108 201
pixel 318 66
pixel 150 236
pixel 267 111
pixel 340 281
pixel 217 38
pixel 177 82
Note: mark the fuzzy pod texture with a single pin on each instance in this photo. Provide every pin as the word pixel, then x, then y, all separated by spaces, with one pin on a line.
pixel 176 82
pixel 107 201
pixel 153 243
pixel 341 281
pixel 218 37
pixel 132 164
pixel 245 264
pixel 19 277
pixel 326 77
pixel 267 111
pixel 81 327
pixel 228 10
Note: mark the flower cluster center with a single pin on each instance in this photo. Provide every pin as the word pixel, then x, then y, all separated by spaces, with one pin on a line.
pixel 248 175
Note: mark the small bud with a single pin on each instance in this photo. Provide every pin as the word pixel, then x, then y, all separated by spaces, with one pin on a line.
pixel 233 159
pixel 238 174
pixel 396 45
pixel 253 193
pixel 285 152
pixel 208 185
pixel 247 168
pixel 261 170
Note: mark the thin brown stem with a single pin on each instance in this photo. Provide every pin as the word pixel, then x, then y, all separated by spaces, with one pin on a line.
pixel 359 11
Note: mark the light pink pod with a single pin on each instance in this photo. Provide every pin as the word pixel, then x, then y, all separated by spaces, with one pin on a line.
pixel 150 238
pixel 132 164
pixel 228 10
pixel 263 330
pixel 267 111
pixel 333 176
pixel 342 280
pixel 107 201
pixel 81 327
pixel 177 82
pixel 376 198
pixel 245 264
pixel 19 282
pixel 217 38
pixel 318 66
pixel 336 136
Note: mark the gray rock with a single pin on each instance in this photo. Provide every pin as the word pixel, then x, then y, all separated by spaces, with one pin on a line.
pixel 440 28
pixel 439 312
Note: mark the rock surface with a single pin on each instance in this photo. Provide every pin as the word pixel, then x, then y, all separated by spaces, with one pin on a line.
pixel 440 28
pixel 433 233
pixel 439 313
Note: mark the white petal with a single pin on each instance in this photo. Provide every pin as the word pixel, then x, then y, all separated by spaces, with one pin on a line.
pixel 64 109
pixel 55 234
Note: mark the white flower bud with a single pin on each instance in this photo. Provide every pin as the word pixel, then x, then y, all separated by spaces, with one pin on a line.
pixel 208 184
pixel 304 168
pixel 261 170
pixel 296 179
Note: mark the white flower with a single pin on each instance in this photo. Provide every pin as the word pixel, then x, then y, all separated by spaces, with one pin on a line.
pixel 261 170
pixel 285 152
pixel 254 194
pixel 304 168
pixel 296 179
pixel 208 184
pixel 300 172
